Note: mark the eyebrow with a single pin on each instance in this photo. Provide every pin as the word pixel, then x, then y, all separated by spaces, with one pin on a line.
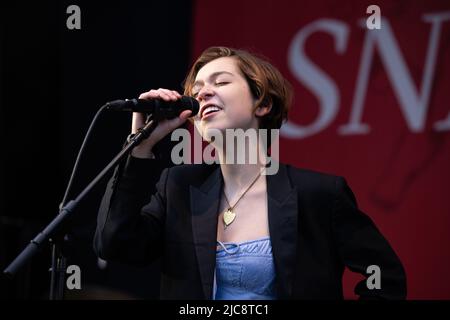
pixel 212 75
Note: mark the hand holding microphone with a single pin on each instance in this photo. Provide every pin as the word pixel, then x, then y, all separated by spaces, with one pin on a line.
pixel 165 126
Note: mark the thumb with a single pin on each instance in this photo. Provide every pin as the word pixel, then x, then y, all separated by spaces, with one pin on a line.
pixel 185 114
pixel 176 122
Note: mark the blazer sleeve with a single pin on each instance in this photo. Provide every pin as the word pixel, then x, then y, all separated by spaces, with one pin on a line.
pixel 360 245
pixel 124 231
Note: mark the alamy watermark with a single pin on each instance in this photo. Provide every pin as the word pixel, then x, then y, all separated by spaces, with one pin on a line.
pixel 74 279
pixel 234 146
pixel 73 21
pixel 374 20
pixel 374 281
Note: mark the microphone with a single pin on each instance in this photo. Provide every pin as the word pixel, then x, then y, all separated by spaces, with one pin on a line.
pixel 160 109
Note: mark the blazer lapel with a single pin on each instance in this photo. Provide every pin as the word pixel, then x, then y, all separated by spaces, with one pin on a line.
pixel 205 202
pixel 283 227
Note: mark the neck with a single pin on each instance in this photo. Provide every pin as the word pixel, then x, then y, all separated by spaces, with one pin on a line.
pixel 239 174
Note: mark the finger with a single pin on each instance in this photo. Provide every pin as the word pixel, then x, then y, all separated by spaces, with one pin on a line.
pixel 175 123
pixel 170 93
pixel 161 93
pixel 165 95
pixel 185 114
pixel 178 95
pixel 152 94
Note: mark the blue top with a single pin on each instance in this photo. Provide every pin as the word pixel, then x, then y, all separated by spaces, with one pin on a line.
pixel 245 271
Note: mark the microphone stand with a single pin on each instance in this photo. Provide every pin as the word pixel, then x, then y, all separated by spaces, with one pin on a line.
pixel 53 231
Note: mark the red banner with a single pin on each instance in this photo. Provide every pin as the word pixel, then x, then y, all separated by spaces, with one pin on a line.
pixel 372 105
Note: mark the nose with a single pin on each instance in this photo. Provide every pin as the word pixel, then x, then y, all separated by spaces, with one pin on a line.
pixel 205 93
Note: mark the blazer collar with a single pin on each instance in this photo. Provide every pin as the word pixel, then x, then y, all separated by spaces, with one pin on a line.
pixel 283 227
pixel 282 203
pixel 205 202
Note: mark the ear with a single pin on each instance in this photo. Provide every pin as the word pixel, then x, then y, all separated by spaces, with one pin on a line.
pixel 261 111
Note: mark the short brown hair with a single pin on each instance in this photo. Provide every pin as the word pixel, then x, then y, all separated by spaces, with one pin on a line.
pixel 266 83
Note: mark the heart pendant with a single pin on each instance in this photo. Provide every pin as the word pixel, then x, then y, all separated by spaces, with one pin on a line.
pixel 228 217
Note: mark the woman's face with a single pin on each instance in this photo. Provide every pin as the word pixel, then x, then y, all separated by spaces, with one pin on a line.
pixel 221 85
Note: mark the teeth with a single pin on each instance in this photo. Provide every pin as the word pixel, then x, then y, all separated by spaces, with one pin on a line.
pixel 210 109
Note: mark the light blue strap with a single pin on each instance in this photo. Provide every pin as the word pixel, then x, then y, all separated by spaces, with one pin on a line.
pixel 232 247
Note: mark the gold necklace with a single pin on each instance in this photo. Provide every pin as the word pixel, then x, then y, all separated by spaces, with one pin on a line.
pixel 229 215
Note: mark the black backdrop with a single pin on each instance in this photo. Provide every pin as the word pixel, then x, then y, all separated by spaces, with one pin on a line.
pixel 53 80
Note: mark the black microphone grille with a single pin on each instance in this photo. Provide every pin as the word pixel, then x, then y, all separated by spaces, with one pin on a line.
pixel 192 103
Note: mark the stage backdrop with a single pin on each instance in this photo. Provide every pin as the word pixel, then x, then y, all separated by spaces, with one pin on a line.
pixel 372 105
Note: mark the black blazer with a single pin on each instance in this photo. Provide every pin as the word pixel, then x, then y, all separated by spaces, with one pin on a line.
pixel 315 227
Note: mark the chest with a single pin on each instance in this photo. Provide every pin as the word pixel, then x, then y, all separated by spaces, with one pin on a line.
pixel 249 218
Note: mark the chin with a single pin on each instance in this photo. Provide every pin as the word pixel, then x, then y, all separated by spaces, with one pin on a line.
pixel 216 126
pixel 212 131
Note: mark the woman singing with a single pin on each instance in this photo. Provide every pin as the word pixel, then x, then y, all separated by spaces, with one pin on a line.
pixel 231 230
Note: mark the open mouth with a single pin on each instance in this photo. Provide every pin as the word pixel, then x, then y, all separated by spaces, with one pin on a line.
pixel 210 110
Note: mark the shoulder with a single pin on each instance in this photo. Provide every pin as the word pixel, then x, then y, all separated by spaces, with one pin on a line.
pixel 307 180
pixel 313 177
pixel 191 173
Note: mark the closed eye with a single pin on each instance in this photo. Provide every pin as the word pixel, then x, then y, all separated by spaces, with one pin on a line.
pixel 222 83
